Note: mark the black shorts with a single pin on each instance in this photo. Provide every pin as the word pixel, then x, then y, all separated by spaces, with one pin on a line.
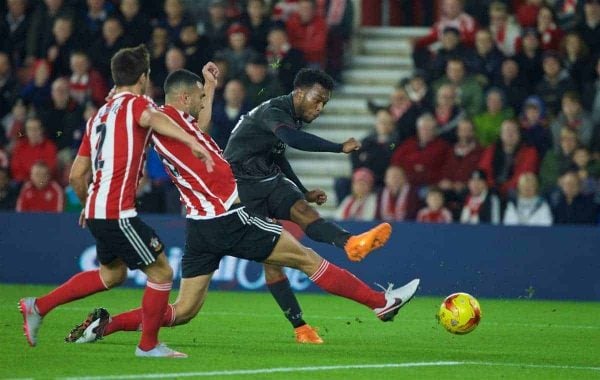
pixel 129 239
pixel 273 198
pixel 239 234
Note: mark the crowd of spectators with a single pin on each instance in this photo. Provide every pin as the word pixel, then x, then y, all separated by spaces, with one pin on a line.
pixel 499 124
pixel 55 73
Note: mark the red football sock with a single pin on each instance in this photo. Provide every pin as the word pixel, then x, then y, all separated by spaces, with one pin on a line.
pixel 132 320
pixel 338 281
pixel 154 306
pixel 81 285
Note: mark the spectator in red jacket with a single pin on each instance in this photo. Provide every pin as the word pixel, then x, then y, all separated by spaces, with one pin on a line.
pixel 30 149
pixel 506 160
pixel 462 160
pixel 308 33
pixel 550 33
pixel 398 200
pixel 40 193
pixel 86 83
pixel 527 13
pixel 422 156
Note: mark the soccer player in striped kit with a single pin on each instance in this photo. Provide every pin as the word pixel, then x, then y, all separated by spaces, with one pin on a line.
pixel 113 149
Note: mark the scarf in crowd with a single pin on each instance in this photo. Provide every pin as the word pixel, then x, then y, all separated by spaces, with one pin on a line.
pixel 473 206
pixel 354 208
pixel 394 207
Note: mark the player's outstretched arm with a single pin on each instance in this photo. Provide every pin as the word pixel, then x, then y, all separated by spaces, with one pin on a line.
pixel 305 141
pixel 164 125
pixel 210 72
pixel 78 178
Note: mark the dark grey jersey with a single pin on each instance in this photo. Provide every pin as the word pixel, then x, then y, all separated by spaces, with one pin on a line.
pixel 253 144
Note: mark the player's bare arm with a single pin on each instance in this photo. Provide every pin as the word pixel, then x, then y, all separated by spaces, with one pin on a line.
pixel 210 72
pixel 78 178
pixel 164 125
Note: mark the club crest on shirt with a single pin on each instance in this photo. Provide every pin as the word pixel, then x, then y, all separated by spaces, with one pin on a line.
pixel 279 148
pixel 156 245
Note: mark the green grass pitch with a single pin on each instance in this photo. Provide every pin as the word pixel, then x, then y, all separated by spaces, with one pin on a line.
pixel 245 336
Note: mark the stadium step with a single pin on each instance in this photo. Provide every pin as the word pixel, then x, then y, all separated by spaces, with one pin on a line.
pixel 381 61
pixel 391 32
pixel 375 76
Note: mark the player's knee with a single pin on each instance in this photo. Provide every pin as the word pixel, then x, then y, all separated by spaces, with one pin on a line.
pixel 273 273
pixel 186 313
pixel 114 277
pixel 309 260
pixel 304 213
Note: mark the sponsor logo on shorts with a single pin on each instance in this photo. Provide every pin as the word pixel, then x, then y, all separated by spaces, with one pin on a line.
pixel 156 245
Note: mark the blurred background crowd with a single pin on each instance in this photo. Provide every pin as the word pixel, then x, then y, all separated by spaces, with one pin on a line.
pixel 499 123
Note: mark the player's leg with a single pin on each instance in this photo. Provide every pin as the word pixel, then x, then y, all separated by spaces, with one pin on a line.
pixel 288 203
pixel 255 197
pixel 112 272
pixel 279 286
pixel 265 241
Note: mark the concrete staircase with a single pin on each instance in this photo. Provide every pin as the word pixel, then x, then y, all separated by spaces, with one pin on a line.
pixel 382 56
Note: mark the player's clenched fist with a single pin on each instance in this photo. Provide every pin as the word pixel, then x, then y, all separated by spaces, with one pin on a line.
pixel 350 145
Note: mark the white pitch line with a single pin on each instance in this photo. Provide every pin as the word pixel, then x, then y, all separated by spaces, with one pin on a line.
pixel 329 368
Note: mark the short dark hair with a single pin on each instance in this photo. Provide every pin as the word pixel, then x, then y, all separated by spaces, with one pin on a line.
pixel 128 64
pixel 179 78
pixel 309 77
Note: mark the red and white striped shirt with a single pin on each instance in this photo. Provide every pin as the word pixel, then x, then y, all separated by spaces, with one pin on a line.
pixel 116 143
pixel 206 195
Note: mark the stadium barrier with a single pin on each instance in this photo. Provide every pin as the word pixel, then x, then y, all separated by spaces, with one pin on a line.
pixel 487 261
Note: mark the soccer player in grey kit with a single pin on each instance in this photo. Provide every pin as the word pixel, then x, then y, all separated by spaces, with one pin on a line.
pixel 268 186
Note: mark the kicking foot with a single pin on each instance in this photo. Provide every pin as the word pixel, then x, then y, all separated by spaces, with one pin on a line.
pixel 359 246
pixel 91 329
pixel 395 299
pixel 32 320
pixel 307 334
pixel 160 351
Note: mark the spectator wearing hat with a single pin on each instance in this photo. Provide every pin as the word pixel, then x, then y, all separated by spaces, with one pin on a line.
pixel 361 204
pixel 217 26
pixel 487 58
pixel 398 200
pixel 487 123
pixel 555 83
pixel 550 33
pixel 528 208
pixel 569 205
pixel 504 31
pixel 434 212
pixel 307 32
pixel 40 193
pixel 451 47
pixel 422 156
pixel 558 160
pixel 574 117
pixel 260 84
pixel 504 161
pixel 481 205
pixel 238 53
pixel 284 60
pixel 136 23
pixel 589 26
pixel 512 84
pixel 534 125
pixel 256 20
pixel 529 58
pixel 470 91
pixel 462 160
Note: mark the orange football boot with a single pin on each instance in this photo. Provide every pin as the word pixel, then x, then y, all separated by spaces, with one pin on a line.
pixel 359 246
pixel 307 334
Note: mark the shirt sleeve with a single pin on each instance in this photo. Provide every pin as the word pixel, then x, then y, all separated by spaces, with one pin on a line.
pixel 85 147
pixel 140 104
pixel 275 118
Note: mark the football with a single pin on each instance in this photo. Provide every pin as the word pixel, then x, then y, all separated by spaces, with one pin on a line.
pixel 460 313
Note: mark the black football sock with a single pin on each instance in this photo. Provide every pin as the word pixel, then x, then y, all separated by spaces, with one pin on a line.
pixel 327 232
pixel 283 294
